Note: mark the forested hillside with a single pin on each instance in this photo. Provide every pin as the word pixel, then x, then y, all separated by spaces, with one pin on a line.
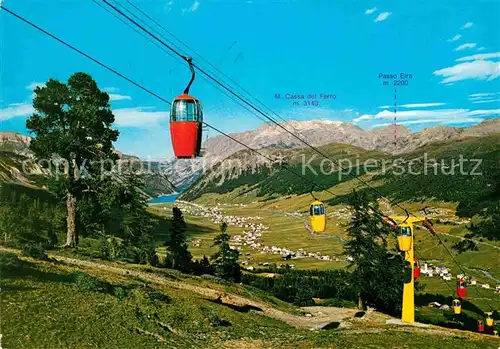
pixel 465 172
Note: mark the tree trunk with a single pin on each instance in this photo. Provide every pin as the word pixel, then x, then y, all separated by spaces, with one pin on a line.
pixel 71 238
pixel 361 304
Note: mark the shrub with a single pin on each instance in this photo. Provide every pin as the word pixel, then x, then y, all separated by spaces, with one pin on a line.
pixel 9 263
pixel 34 250
pixel 215 319
pixel 119 292
pixel 87 282
pixel 178 316
pixel 159 296
pixel 140 255
pixel 110 248
pixel 339 303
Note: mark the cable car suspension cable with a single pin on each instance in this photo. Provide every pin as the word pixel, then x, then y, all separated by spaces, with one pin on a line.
pixel 250 105
pixel 166 101
pixel 203 59
pixel 146 89
pixel 242 99
pixel 154 42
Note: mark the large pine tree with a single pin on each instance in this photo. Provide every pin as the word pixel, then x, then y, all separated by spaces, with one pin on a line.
pixel 73 136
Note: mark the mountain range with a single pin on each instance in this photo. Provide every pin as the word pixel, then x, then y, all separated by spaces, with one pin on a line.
pixel 18 165
pixel 319 133
pixel 171 175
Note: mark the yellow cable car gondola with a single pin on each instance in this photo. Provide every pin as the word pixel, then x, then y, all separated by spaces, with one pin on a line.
pixel 457 307
pixel 404 233
pixel 489 320
pixel 318 216
pixel 405 236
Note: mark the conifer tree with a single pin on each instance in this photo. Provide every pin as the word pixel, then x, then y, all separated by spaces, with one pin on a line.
pixel 178 256
pixel 72 129
pixel 378 272
pixel 225 261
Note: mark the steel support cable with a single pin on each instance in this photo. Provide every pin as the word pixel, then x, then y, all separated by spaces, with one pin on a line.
pixel 146 89
pixel 143 13
pixel 218 83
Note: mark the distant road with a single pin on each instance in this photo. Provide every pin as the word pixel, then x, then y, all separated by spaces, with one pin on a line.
pixel 476 241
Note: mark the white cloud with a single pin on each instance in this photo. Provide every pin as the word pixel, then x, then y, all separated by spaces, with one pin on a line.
pixel 482 48
pixel 479 56
pixel 382 17
pixel 428 114
pixel 482 95
pixel 465 46
pixel 370 11
pixel 414 105
pixel 432 121
pixel 361 118
pixel 486 101
pixel 194 6
pixel 110 89
pixel 436 116
pixel 455 38
pixel 488 97
pixel 421 105
pixel 484 112
pixel 479 70
pixel 16 109
pixel 114 95
pixel 467 25
pixel 34 85
pixel 168 7
pixel 139 117
pixel 118 97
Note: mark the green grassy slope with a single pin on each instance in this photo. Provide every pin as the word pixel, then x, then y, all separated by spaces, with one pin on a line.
pixel 266 179
pixel 57 305
pixel 458 194
pixel 474 185
pixel 289 232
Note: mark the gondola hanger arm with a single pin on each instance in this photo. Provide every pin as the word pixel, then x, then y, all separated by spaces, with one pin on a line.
pixel 190 62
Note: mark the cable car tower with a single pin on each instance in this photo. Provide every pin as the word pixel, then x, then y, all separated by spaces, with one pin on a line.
pixel 405 234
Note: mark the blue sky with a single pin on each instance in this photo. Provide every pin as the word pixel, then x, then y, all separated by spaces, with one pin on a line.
pixel 451 49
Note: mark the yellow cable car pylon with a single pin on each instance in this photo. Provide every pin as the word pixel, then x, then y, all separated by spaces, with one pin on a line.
pixel 405 235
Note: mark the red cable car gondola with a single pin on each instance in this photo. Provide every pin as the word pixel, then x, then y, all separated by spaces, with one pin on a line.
pixel 186 120
pixel 461 288
pixel 480 326
pixel 416 268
